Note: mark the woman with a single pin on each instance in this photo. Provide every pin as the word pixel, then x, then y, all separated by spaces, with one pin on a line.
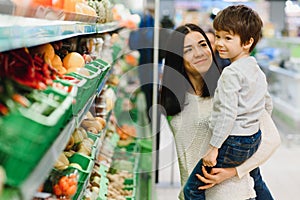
pixel 189 79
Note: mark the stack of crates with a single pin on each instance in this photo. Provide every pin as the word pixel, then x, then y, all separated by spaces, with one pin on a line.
pixel 27 133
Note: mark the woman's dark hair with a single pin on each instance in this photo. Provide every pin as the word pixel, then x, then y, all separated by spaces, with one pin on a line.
pixel 176 82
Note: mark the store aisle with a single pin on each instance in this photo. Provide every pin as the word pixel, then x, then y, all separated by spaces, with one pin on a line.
pixel 281 172
pixel 169 181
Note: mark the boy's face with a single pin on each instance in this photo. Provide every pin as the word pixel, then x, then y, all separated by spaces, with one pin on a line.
pixel 229 46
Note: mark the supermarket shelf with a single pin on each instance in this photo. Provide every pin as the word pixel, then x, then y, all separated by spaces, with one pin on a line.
pixel 90 102
pixel 84 110
pixel 286 113
pixel 285 72
pixel 17 32
pixel 20 31
pixel 107 27
pixel 40 173
pixel 283 41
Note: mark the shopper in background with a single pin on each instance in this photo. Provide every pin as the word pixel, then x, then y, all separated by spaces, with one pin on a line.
pixel 189 79
pixel 143 41
pixel 166 28
pixel 222 63
pixel 239 100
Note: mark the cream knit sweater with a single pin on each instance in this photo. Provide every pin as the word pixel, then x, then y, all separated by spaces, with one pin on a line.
pixel 191 132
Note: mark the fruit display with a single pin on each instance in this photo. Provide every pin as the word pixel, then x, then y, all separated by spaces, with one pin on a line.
pixel 39 96
pixel 103 9
pixel 118 188
pixel 66 186
pixel 66 9
pixel 32 71
pixel 49 123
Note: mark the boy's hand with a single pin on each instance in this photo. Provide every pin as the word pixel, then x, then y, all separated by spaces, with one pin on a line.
pixel 210 158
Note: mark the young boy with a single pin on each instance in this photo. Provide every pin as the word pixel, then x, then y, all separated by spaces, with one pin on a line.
pixel 239 100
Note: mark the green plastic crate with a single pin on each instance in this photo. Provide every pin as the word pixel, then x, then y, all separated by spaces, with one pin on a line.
pixel 101 64
pixel 131 147
pixel 116 50
pixel 72 91
pixel 80 187
pixel 97 70
pixel 86 164
pixel 126 154
pixel 92 78
pixel 94 147
pixel 145 150
pixel 132 196
pixel 84 92
pixel 129 183
pixel 27 133
pixel 104 66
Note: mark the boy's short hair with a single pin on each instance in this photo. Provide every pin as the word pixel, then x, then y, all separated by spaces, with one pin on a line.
pixel 240 20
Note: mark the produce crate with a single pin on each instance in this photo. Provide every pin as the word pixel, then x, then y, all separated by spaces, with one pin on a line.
pixel 132 147
pixel 80 189
pixel 94 148
pixel 70 89
pixel 128 153
pixel 27 133
pixel 132 196
pixel 116 50
pixel 97 70
pixel 104 66
pixel 84 92
pixel 129 183
pixel 145 150
pixel 86 164
pixel 125 116
pixel 93 77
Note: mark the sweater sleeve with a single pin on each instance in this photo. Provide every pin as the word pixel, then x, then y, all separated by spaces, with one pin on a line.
pixel 269 103
pixel 225 106
pixel 269 143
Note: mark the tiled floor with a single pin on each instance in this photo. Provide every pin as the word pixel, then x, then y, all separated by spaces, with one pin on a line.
pixel 281 171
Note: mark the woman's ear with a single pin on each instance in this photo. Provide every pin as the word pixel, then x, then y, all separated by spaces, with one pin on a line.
pixel 248 44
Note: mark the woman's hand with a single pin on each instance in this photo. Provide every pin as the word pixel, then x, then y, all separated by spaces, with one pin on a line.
pixel 216 176
pixel 210 158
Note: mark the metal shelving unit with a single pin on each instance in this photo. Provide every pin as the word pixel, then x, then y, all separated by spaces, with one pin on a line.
pixel 278 58
pixel 17 32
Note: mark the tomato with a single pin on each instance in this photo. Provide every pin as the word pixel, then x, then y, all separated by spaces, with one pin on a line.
pixel 56 190
pixel 71 190
pixel 72 179
pixel 63 184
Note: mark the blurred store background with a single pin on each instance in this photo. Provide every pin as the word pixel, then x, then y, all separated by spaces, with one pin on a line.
pixel 279 56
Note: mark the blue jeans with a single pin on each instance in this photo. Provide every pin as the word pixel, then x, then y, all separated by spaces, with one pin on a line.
pixel 260 187
pixel 234 151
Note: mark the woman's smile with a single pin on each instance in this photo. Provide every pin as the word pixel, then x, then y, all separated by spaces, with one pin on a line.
pixel 200 61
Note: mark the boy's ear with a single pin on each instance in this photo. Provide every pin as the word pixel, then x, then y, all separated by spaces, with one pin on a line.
pixel 249 43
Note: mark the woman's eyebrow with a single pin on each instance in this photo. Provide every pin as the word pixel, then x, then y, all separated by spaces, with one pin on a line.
pixel 200 41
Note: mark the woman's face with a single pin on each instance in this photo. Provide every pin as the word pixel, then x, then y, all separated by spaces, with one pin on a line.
pixel 196 54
